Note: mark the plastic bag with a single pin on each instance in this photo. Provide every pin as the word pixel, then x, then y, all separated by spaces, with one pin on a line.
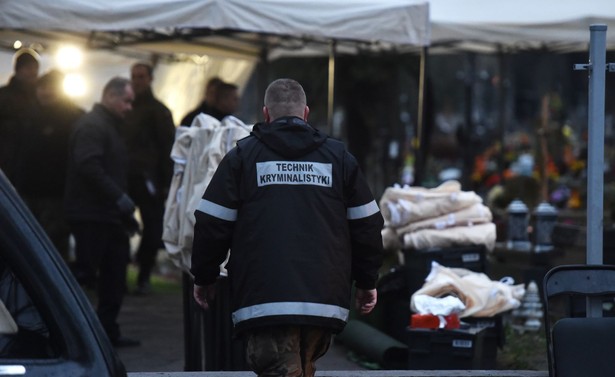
pixel 481 296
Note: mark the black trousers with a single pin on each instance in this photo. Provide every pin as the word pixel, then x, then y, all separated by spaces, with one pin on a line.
pixel 151 208
pixel 103 252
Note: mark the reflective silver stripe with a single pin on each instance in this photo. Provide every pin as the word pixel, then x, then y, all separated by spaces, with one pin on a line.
pixel 290 308
pixel 360 212
pixel 217 210
pixel 12 370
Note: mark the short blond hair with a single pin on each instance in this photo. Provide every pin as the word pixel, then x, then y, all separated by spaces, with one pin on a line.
pixel 285 97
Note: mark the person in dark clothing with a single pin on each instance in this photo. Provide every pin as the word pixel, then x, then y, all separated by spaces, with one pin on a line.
pixel 300 221
pixel 98 208
pixel 150 133
pixel 44 157
pixel 227 100
pixel 17 101
pixel 207 106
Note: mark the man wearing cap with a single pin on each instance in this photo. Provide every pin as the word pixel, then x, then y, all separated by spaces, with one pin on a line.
pixel 17 99
pixel 44 155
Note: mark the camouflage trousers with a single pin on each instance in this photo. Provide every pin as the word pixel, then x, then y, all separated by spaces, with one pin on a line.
pixel 286 351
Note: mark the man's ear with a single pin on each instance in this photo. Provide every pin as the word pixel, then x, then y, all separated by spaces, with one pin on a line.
pixel 306 112
pixel 266 114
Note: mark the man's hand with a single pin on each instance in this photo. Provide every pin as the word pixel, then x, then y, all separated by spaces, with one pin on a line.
pixel 203 295
pixel 365 300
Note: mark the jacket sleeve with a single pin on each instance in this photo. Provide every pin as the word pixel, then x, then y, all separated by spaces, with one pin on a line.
pixel 365 224
pixel 215 220
pixel 88 152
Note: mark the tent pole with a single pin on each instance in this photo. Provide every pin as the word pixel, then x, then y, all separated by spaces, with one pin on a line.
pixel 467 153
pixel 595 165
pixel 502 94
pixel 331 85
pixel 595 153
pixel 419 140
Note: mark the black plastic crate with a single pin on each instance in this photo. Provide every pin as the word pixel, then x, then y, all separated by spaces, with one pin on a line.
pixel 494 325
pixel 418 261
pixel 450 349
pixel 494 337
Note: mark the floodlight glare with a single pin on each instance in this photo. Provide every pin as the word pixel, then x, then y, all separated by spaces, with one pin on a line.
pixel 74 85
pixel 69 57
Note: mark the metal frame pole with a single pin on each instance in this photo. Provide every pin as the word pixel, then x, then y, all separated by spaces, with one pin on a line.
pixel 418 143
pixel 331 85
pixel 595 154
pixel 595 158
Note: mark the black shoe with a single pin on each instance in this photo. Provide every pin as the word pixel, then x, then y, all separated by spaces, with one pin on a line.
pixel 122 341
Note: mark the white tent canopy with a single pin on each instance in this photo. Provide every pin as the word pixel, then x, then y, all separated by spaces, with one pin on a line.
pixel 392 21
pixel 485 25
pixel 211 34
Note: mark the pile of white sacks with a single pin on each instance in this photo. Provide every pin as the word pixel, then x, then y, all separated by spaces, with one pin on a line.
pixel 444 216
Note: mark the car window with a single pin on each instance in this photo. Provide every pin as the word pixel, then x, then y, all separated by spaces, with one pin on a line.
pixel 32 338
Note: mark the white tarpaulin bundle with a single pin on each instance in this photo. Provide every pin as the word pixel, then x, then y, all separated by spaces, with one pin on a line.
pixel 444 216
pixel 481 296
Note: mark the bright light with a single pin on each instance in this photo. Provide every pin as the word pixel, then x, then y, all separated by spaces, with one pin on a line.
pixel 17 44
pixel 69 57
pixel 74 85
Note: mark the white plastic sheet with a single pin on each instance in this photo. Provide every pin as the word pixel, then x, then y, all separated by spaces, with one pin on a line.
pixel 481 296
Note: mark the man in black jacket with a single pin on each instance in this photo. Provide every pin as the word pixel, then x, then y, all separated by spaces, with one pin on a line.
pixel 150 133
pixel 44 156
pixel 302 225
pixel 17 103
pixel 98 208
pixel 207 105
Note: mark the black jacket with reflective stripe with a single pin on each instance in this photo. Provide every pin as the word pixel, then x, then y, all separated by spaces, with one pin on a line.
pixel 301 223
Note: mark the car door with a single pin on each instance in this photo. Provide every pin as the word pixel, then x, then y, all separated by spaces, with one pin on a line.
pixel 47 324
